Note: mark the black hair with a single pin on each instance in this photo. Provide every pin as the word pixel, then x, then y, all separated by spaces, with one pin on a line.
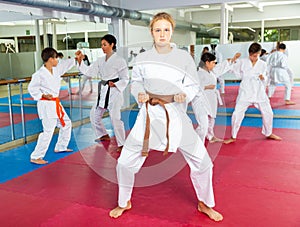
pixel 206 57
pixel 254 48
pixel 282 46
pixel 111 40
pixel 205 49
pixel 86 59
pixel 60 55
pixel 47 53
pixel 263 51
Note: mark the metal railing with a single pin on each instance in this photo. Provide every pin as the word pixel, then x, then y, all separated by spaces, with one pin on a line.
pixel 20 83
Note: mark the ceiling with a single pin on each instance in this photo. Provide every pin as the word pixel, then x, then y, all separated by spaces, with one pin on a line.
pixel 272 13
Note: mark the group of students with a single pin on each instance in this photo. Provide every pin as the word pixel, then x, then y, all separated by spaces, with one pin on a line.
pixel 164 80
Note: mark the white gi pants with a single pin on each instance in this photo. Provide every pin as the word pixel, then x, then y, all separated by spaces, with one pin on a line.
pixel 45 137
pixel 239 114
pixel 288 89
pixel 201 114
pixel 193 151
pixel 115 117
pixel 202 120
pixel 221 81
pixel 85 79
pixel 210 130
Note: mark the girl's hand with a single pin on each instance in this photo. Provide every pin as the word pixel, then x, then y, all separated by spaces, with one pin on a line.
pixel 261 77
pixel 48 96
pixel 180 97
pixel 143 97
pixel 211 86
pixel 111 84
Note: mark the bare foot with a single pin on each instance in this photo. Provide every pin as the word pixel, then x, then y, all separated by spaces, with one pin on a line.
pixel 118 211
pixel 67 150
pixel 103 138
pixel 215 139
pixel 38 161
pixel 274 137
pixel 210 212
pixel 119 149
pixel 289 102
pixel 231 140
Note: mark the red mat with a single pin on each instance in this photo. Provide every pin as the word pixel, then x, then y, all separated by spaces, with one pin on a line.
pixel 255 181
pixel 277 101
pixel 5 120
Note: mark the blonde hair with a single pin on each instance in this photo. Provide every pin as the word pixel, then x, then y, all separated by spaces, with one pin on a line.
pixel 162 16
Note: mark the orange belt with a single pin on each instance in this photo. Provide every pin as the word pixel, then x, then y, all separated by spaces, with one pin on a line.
pixel 59 110
pixel 154 100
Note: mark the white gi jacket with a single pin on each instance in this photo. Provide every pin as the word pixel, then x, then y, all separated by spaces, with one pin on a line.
pixel 210 78
pixel 163 74
pixel 114 67
pixel 251 89
pixel 279 71
pixel 43 82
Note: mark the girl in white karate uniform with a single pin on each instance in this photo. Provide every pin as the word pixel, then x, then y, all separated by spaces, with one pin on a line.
pixel 207 74
pixel 164 73
pixel 44 88
pixel 252 91
pixel 113 72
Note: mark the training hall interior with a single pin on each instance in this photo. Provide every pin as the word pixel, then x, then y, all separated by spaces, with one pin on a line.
pixel 255 180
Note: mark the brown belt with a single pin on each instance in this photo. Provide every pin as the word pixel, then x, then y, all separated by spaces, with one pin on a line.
pixel 156 100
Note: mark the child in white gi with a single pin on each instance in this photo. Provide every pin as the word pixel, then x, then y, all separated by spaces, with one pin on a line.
pixel 44 88
pixel 163 82
pixel 280 73
pixel 252 91
pixel 208 73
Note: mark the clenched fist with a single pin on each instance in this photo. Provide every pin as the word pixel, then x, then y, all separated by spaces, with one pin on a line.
pixel 143 97
pixel 180 97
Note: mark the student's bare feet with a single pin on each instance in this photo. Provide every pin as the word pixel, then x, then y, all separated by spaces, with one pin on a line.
pixel 39 161
pixel 215 139
pixel 289 102
pixel 274 137
pixel 103 138
pixel 118 211
pixel 67 150
pixel 210 212
pixel 228 141
pixel 119 149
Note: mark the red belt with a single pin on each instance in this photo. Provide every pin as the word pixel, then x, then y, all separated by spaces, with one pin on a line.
pixel 59 110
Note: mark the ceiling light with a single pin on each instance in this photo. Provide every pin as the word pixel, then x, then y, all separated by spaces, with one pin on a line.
pixel 204 6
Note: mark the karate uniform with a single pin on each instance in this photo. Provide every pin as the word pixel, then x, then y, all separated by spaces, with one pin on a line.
pixel 252 91
pixel 43 82
pixel 114 68
pixel 86 78
pixel 213 95
pixel 280 73
pixel 220 77
pixel 165 74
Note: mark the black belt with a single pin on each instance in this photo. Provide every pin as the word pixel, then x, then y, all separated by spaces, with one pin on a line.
pixel 104 83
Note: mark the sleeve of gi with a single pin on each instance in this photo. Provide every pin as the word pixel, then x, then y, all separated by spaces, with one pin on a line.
pixel 34 87
pixel 65 66
pixel 191 85
pixel 123 76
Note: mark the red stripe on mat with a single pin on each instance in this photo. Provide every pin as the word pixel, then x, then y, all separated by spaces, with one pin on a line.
pixel 5 120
